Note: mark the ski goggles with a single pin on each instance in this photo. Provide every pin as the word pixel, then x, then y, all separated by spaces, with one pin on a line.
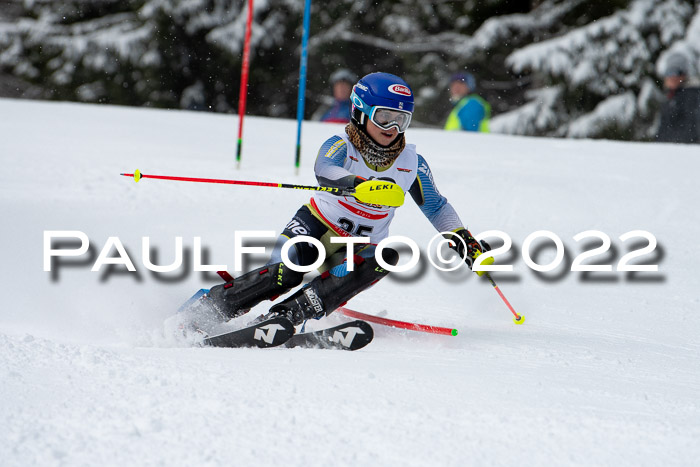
pixel 385 118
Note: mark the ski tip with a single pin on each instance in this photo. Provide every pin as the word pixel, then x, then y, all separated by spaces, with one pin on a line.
pixel 519 320
pixel 454 332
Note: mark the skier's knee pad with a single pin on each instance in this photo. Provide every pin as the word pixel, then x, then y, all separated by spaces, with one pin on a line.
pixel 244 292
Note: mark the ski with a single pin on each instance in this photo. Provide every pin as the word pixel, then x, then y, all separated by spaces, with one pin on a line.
pixel 348 336
pixel 353 335
pixel 268 333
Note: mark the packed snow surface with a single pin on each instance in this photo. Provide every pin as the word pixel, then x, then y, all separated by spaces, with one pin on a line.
pixel 605 370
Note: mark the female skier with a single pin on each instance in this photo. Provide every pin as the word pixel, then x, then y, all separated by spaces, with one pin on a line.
pixel 372 147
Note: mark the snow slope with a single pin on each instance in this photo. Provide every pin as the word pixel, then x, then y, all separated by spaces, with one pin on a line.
pixel 605 371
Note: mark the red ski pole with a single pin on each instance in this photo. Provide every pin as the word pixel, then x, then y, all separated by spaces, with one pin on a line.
pixel 397 324
pixel 138 176
pixel 518 319
pixel 371 191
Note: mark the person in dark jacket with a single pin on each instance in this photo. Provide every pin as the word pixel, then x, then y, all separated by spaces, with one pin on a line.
pixel 680 113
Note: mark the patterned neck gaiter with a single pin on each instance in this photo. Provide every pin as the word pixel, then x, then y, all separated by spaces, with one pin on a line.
pixel 374 154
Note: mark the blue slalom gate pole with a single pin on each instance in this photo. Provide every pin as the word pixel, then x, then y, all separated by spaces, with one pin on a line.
pixel 302 79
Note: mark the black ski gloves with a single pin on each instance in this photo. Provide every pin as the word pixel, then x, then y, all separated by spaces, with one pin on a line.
pixel 348 181
pixel 473 246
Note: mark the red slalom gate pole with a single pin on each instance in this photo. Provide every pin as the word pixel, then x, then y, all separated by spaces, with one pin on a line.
pixel 518 319
pixel 397 324
pixel 243 94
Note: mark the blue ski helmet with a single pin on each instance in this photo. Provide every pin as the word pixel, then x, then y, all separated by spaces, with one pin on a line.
pixel 381 91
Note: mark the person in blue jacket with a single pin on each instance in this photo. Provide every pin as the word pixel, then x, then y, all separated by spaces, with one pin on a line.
pixel 342 81
pixel 470 112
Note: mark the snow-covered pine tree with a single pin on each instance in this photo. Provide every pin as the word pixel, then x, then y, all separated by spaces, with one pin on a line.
pixel 424 42
pixel 601 79
pixel 163 53
pixel 577 68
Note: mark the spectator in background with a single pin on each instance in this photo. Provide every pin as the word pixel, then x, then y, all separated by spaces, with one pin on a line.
pixel 471 112
pixel 342 81
pixel 680 112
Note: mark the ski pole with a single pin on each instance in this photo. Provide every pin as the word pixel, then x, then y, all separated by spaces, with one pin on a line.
pixel 518 319
pixel 397 324
pixel 371 191
pixel 138 176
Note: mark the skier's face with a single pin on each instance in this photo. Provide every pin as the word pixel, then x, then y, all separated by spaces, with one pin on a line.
pixel 381 137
